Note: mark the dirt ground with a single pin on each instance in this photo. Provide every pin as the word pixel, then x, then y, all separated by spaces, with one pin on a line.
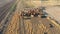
pixel 54 12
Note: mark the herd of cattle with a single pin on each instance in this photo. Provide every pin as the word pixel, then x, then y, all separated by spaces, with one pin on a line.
pixel 35 12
